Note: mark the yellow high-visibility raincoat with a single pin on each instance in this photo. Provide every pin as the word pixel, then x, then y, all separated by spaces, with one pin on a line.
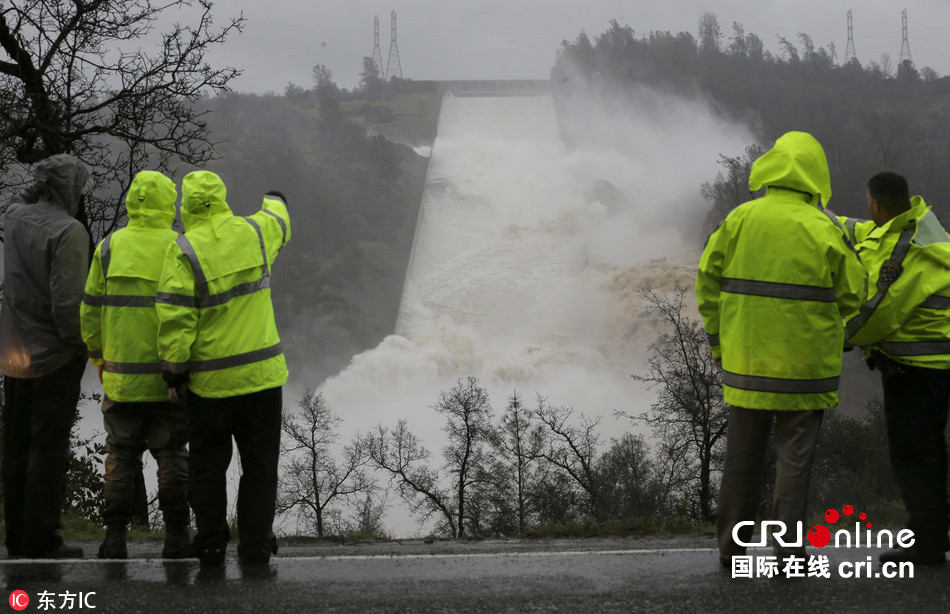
pixel 216 319
pixel 119 323
pixel 907 313
pixel 774 282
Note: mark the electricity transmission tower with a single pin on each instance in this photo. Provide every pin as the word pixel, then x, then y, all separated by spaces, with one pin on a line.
pixel 905 43
pixel 849 53
pixel 394 53
pixel 377 55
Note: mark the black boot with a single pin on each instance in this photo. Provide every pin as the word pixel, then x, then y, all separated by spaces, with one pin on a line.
pixel 258 554
pixel 173 501
pixel 114 545
pixel 212 556
pixel 177 542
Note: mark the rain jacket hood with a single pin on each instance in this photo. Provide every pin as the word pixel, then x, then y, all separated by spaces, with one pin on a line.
pixel 60 180
pixel 151 200
pixel 797 162
pixel 203 195
pixel 930 238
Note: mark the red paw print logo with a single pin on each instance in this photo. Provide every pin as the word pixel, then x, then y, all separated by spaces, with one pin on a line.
pixel 819 535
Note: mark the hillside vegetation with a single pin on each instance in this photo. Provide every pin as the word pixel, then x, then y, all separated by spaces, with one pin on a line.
pixel 354 197
pixel 868 118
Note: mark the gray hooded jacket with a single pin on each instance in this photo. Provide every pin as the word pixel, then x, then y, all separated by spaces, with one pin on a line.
pixel 46 260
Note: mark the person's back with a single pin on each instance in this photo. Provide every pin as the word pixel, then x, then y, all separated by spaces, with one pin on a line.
pixel 120 328
pixel 773 284
pixel 44 246
pixel 46 257
pixel 218 338
pixel 215 304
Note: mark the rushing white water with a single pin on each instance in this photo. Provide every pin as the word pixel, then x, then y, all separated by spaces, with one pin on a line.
pixel 526 264
pixel 500 284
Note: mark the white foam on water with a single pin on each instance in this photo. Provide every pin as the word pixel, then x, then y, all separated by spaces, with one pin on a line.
pixel 528 257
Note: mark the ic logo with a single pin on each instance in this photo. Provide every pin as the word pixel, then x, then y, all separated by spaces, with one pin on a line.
pixel 19 600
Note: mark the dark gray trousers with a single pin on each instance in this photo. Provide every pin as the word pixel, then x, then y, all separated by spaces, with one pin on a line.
pixel 796 436
pixel 38 416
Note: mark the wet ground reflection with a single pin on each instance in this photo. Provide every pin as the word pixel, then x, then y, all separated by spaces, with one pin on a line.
pixel 19 573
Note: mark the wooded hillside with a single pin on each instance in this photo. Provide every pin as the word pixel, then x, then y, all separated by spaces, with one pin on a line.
pixel 353 197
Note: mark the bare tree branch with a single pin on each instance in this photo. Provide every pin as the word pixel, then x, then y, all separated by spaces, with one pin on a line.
pixel 689 417
pixel 72 82
pixel 314 480
pixel 573 449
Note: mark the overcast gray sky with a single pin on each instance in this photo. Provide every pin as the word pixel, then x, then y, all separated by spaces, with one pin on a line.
pixel 515 39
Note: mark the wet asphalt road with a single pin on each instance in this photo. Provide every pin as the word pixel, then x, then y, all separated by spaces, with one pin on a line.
pixel 587 575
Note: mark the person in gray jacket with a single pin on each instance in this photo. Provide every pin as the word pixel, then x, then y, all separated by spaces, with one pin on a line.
pixel 42 355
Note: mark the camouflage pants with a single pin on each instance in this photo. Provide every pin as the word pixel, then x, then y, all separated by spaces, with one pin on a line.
pixel 162 429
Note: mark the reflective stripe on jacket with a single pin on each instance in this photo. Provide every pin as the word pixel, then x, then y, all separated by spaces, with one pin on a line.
pixel 216 319
pixel 119 323
pixel 774 282
pixel 907 312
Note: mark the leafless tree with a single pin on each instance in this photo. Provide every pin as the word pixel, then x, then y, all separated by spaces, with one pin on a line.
pixel 731 189
pixel 77 78
pixel 572 448
pixel 468 428
pixel 366 516
pixel 629 484
pixel 689 417
pixel 400 453
pixel 312 480
pixel 886 64
pixel 892 135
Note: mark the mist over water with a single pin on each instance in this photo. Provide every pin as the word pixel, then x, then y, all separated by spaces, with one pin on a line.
pixel 500 285
pixel 528 257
